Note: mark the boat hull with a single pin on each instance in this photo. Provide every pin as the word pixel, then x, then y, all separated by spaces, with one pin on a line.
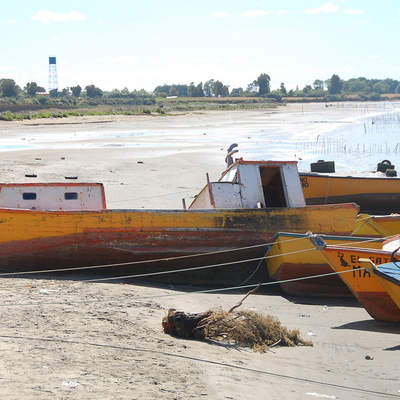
pixel 377 225
pixel 370 293
pixel 388 275
pixel 373 195
pixel 32 240
pixel 293 257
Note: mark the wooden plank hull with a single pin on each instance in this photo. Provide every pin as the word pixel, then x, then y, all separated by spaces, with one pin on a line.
pixel 373 195
pixel 377 225
pixel 31 240
pixel 361 282
pixel 293 256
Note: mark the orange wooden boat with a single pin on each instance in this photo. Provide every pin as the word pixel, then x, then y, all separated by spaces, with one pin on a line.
pixel 388 275
pixel 365 287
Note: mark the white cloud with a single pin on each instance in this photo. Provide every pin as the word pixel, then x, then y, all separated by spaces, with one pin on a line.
pixel 353 11
pixel 373 56
pixel 47 17
pixel 220 14
pixel 282 12
pixel 11 21
pixel 324 9
pixel 255 13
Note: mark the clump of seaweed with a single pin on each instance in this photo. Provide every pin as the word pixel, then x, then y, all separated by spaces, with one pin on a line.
pixel 250 329
pixel 243 328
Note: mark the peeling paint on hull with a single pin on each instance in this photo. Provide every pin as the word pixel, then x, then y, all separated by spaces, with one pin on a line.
pixel 31 240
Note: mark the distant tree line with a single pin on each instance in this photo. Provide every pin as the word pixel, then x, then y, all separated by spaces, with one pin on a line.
pixel 260 87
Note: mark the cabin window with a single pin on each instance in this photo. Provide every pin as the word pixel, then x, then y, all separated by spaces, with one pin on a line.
pixel 70 196
pixel 274 193
pixel 29 196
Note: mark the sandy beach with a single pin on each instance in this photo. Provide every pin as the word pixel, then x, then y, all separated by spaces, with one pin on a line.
pixel 64 338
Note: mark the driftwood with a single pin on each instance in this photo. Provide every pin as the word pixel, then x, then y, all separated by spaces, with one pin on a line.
pixel 184 325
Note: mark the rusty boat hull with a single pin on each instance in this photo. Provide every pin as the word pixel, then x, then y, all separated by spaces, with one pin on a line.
pixel 40 240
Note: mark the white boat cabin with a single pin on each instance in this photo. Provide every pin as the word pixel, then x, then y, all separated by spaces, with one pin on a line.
pixel 53 196
pixel 253 184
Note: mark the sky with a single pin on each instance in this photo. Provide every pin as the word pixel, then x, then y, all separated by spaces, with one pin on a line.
pixel 142 44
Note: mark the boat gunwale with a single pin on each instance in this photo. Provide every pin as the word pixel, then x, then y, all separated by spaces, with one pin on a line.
pixel 326 236
pixel 328 175
pixel 326 207
pixel 331 248
pixel 385 275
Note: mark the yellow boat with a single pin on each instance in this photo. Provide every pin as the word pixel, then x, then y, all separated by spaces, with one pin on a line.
pixel 378 195
pixel 377 225
pixel 388 275
pixel 292 256
pixel 59 226
pixel 365 287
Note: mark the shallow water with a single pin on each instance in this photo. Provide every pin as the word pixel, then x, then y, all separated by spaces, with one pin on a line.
pixel 356 135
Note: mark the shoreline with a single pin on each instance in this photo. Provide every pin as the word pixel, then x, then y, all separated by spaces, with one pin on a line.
pixel 63 337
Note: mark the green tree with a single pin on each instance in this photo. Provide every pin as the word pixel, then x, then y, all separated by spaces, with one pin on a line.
pixel 65 92
pixel 31 89
pixel 237 92
pixel 283 89
pixel 198 92
pixel 263 83
pixel 93 91
pixel 209 88
pixel 8 88
pixel 220 90
pixel 173 91
pixel 191 89
pixel 53 93
pixel 318 84
pixel 76 91
pixel 125 92
pixel 335 84
pixel 252 88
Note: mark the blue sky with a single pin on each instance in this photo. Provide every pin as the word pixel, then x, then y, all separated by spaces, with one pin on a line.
pixel 140 44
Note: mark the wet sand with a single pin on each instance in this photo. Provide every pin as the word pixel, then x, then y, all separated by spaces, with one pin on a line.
pixel 66 338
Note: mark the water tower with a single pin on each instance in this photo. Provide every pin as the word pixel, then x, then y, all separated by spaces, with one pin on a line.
pixel 53 84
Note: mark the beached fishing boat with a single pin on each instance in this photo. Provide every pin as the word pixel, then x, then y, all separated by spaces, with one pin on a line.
pixel 377 225
pixel 365 287
pixel 292 256
pixel 249 204
pixel 388 275
pixel 374 194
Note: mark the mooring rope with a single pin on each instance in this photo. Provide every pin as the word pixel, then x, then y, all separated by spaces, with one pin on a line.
pixel 150 297
pixel 69 269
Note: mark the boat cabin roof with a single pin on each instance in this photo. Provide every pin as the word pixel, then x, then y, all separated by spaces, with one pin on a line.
pixel 53 196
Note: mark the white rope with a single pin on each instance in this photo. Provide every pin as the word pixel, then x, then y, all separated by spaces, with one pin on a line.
pixel 141 262
pixel 179 257
pixel 119 300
